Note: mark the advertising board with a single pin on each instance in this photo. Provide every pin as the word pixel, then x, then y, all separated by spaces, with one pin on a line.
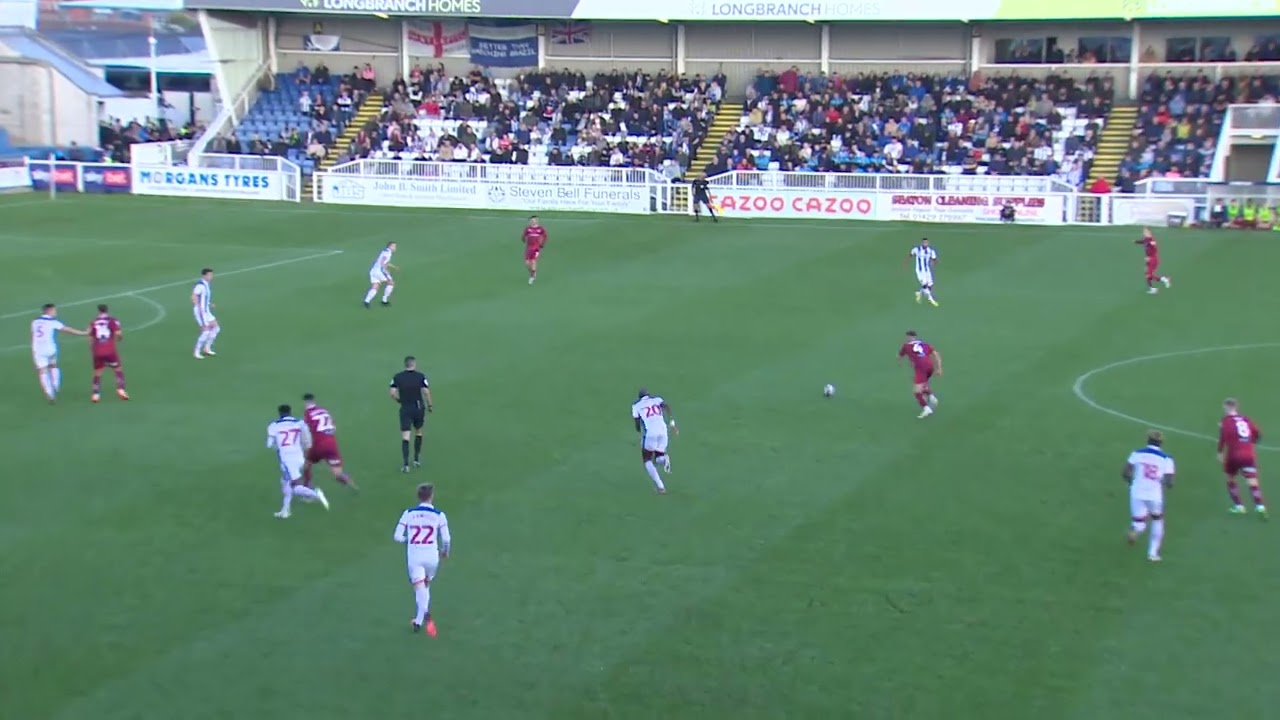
pixel 782 203
pixel 208 183
pixel 969 207
pixel 763 10
pixel 14 176
pixel 64 175
pixel 106 178
pixel 443 193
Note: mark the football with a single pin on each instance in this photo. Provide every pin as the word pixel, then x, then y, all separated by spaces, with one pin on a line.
pixel 828 390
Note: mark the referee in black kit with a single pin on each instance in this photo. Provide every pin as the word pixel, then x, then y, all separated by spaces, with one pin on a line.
pixel 701 199
pixel 411 389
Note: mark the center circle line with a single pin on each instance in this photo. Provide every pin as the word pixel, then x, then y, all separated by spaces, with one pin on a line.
pixel 1077 388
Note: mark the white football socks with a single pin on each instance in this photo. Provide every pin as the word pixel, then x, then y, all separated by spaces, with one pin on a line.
pixel 287 490
pixel 422 594
pixel 306 493
pixel 386 292
pixel 46 383
pixel 1157 537
pixel 202 341
pixel 653 474
pixel 368 297
pixel 212 335
pixel 56 374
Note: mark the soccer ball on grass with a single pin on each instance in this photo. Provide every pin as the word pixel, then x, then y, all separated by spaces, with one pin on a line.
pixel 828 390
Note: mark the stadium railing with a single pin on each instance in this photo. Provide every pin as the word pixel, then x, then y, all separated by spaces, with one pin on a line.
pixel 741 194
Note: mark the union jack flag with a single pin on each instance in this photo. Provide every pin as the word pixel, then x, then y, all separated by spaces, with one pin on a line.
pixel 571 33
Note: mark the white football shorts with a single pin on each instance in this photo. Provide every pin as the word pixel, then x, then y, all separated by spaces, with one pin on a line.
pixel 204 319
pixel 423 568
pixel 44 359
pixel 1142 509
pixel 379 276
pixel 291 469
pixel 655 441
pixel 925 277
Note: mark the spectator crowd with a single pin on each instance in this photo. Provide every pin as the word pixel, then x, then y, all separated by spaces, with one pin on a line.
pixel 917 123
pixel 1179 119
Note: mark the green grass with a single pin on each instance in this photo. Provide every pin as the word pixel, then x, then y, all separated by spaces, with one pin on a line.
pixel 814 559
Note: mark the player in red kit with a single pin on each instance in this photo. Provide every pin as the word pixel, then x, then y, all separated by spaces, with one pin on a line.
pixel 104 333
pixel 1152 251
pixel 324 442
pixel 925 363
pixel 535 238
pixel 1238 452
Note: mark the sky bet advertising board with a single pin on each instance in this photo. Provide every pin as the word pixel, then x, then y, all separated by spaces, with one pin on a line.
pixel 82 177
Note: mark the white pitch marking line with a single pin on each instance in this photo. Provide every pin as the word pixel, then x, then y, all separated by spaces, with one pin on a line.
pixel 153 288
pixel 159 317
pixel 1078 386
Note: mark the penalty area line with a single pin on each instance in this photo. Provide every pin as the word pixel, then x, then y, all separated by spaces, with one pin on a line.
pixel 177 283
pixel 1078 387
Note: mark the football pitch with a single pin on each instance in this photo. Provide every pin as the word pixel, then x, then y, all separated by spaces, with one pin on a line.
pixel 813 559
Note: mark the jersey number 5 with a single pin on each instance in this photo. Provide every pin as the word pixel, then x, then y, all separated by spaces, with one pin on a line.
pixel 422 534
pixel 1150 472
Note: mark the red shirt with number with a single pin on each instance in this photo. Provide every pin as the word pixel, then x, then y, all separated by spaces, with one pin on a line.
pixel 1238 440
pixel 920 353
pixel 103 334
pixel 324 436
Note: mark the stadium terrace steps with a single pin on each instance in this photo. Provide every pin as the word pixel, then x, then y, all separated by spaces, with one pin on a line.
pixel 723 123
pixel 369 111
pixel 1114 142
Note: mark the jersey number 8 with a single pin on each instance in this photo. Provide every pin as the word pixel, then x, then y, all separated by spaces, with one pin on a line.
pixel 1243 431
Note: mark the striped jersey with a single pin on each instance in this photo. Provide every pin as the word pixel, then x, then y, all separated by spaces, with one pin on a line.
pixel 203 293
pixel 384 257
pixel 924 256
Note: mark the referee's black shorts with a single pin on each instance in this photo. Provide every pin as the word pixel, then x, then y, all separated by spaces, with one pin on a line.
pixel 412 418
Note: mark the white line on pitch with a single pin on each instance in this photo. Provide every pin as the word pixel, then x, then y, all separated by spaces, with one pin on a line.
pixel 1078 386
pixel 159 317
pixel 192 281
pixel 14 237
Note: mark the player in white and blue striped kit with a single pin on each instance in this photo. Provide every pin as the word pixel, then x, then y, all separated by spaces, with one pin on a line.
pixel 924 257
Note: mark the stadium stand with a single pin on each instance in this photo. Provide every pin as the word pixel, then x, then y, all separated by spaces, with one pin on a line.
pixel 300 117
pixel 544 118
pixel 1178 122
pixel 918 123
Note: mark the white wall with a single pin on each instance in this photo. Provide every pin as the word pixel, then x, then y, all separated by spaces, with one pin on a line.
pixel 237 45
pixel 26 102
pixel 18 13
pixel 359 35
pixel 74 112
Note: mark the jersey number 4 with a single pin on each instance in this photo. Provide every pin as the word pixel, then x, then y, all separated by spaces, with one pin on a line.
pixel 287 438
pixel 917 348
pixel 422 534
